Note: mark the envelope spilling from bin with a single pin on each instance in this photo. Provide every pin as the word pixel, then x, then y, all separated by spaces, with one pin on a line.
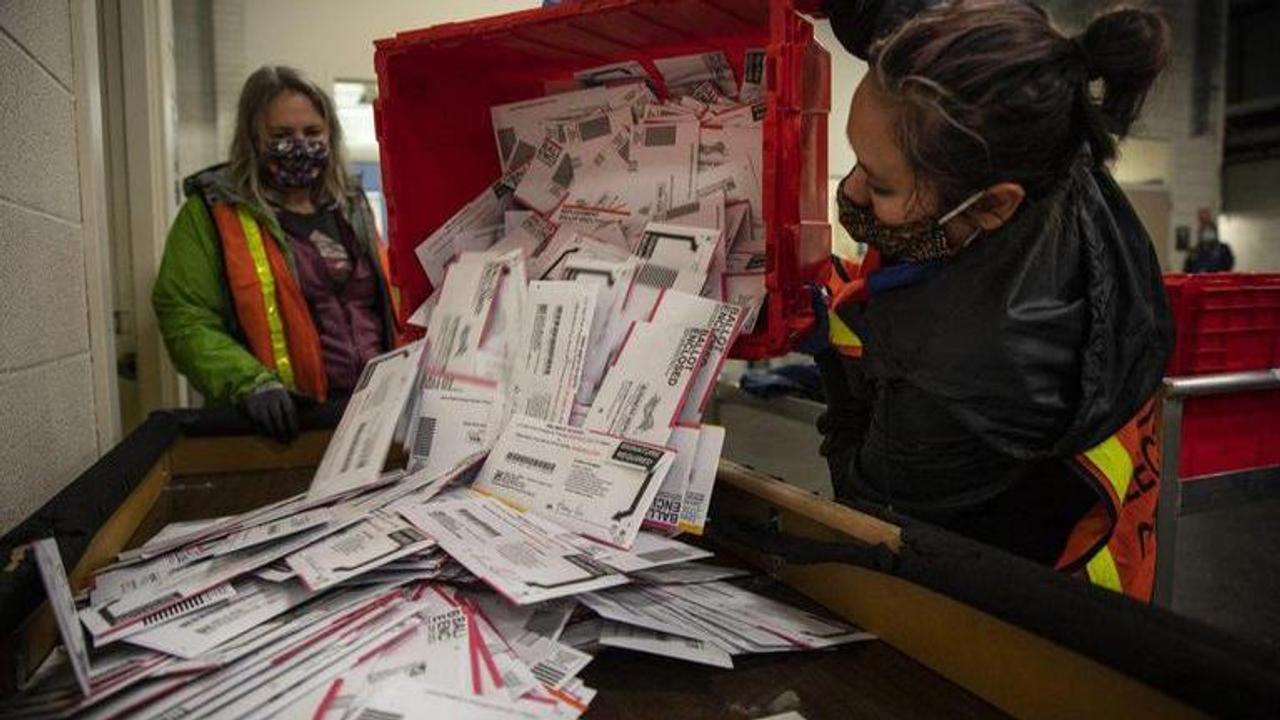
pixel 519 487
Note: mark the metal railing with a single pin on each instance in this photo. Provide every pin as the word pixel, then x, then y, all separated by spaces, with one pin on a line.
pixel 1170 504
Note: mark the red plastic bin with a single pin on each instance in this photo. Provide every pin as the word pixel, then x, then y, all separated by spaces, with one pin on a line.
pixel 1227 433
pixel 1226 322
pixel 435 88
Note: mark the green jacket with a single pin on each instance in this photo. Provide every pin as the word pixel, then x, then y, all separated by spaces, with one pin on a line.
pixel 193 305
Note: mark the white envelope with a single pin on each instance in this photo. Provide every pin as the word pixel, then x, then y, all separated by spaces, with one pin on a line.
pixel 453 424
pixel 547 179
pixel 256 602
pixel 683 73
pixel 525 558
pixel 676 257
pixel 654 642
pixel 359 446
pixel 568 245
pixel 526 120
pixel 527 231
pixel 664 514
pixel 722 320
pixel 612 73
pixel 611 281
pixel 665 154
pixel 54 576
pixel 369 544
pixel 460 232
pixel 463 317
pixel 593 484
pixel 553 349
pixel 644 392
pixel 747 290
pixel 107 623
pixel 702 479
pixel 650 550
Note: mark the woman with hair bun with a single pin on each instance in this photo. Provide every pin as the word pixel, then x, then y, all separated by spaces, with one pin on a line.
pixel 272 285
pixel 995 353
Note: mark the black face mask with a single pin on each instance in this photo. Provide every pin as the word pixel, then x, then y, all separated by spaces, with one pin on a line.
pixel 920 241
pixel 295 163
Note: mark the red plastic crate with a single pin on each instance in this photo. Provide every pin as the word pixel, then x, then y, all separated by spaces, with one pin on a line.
pixel 1229 432
pixel 1226 322
pixel 435 88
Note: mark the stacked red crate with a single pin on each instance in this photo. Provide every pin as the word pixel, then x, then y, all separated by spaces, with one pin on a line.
pixel 1227 322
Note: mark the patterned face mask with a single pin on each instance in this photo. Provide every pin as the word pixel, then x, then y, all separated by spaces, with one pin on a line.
pixel 296 163
pixel 921 241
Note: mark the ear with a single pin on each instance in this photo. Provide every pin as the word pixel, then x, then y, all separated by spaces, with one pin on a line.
pixel 999 204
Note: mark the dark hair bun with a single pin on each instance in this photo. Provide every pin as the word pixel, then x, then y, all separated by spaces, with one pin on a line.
pixel 1126 49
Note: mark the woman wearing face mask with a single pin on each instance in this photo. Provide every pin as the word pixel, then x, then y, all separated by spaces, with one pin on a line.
pixel 997 349
pixel 272 286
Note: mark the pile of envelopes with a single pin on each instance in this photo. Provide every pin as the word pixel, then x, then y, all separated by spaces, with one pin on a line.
pixel 550 426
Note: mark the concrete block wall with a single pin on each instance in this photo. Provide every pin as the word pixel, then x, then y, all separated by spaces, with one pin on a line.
pixel 48 431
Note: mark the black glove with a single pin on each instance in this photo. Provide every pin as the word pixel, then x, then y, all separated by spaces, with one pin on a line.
pixel 859 23
pixel 271 409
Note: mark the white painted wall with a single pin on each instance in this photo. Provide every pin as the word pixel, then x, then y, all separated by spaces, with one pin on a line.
pixel 48 405
pixel 846 72
pixel 1254 238
pixel 333 39
pixel 327 39
pixel 1251 215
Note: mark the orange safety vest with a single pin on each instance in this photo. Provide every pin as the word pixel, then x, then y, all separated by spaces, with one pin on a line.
pixel 845 281
pixel 269 305
pixel 1114 544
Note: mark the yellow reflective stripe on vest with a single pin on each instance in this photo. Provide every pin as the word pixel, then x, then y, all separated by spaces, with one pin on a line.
pixel 267 281
pixel 1113 460
pixel 1103 572
pixel 840 334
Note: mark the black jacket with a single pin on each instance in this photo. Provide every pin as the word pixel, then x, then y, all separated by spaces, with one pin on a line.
pixel 1035 343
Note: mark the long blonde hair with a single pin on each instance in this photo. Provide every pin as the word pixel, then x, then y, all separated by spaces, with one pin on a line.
pixel 246 162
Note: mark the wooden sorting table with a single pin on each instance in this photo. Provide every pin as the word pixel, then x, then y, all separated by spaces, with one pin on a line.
pixel 938 656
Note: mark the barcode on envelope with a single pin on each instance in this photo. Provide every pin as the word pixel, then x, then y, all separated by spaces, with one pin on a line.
pixel 548 674
pixel 351 449
pixel 506 139
pixel 656 276
pixel 594 128
pixel 662 555
pixel 425 438
pixel 477 522
pixel 375 714
pixel 555 334
pixel 660 135
pixel 539 322
pixel 523 460
pixel 522 154
pixel 562 177
pixel 754 70
pixel 191 603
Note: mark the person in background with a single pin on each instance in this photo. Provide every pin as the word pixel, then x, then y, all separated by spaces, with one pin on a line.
pixel 1210 254
pixel 272 286
pixel 994 357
